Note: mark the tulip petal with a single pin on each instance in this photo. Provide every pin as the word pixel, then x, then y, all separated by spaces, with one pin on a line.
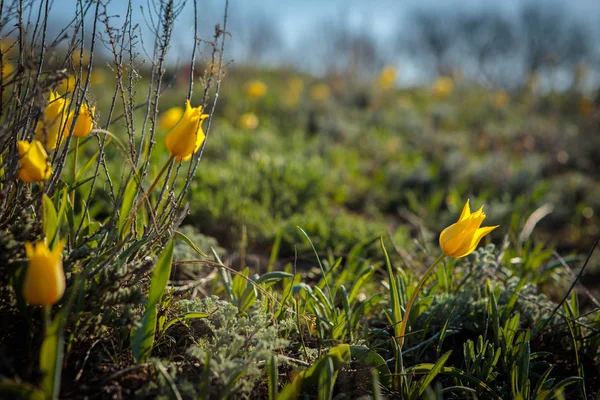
pixel 478 213
pixel 452 237
pixel 465 212
pixel 479 234
pixel 461 238
pixel 29 249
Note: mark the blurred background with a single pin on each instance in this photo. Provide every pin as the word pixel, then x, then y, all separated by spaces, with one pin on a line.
pixel 497 43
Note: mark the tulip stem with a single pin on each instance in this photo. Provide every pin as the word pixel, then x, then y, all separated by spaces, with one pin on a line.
pixel 147 194
pixel 47 315
pixel 413 297
pixel 75 156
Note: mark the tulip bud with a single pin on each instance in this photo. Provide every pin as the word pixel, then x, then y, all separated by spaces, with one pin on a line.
pixel 51 127
pixel 45 279
pixel 85 121
pixel 187 136
pixel 256 89
pixel 461 238
pixel 170 118
pixel 34 162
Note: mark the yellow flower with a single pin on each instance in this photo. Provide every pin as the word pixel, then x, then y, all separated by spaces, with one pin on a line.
pixel 97 77
pixel 320 92
pixel 7 69
pixel 187 136
pixel 80 59
pixel 170 118
pixel 249 121
pixel 85 121
pixel 256 89
pixel 67 84
pixel 501 99
pixel 45 279
pixel 34 162
pixel 387 77
pixel 295 84
pixel 586 107
pixel 51 127
pixel 461 238
pixel 295 87
pixel 442 87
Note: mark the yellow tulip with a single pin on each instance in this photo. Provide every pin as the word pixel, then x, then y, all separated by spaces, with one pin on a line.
pixel 80 59
pixel 256 89
pixel 442 87
pixel 97 77
pixel 501 99
pixel 295 87
pixel 85 121
pixel 7 69
pixel 295 84
pixel 387 78
pixel 249 121
pixel 67 84
pixel 44 281
pixel 461 238
pixel 187 136
pixel 170 118
pixel 34 162
pixel 320 92
pixel 51 127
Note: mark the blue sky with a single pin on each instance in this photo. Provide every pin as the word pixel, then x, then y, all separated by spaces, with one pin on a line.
pixel 294 19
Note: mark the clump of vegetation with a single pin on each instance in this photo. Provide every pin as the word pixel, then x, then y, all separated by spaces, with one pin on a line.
pixel 299 258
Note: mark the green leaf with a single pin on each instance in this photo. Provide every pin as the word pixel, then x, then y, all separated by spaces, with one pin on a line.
pixel 374 361
pixel 186 239
pixel 336 357
pixel 51 355
pixel 238 284
pixel 161 274
pixel 143 337
pixel 184 317
pixel 275 276
pixel 127 205
pixel 273 377
pixel 86 166
pixel 50 220
pixel 433 372
pixel 77 184
pixel 11 389
pixel 318 258
pixel 292 389
pixel 248 298
pixel 327 376
pixel 364 277
pixel 376 389
pixel 225 277
pixel 395 316
pixel 463 376
pixel 275 251
pixel 560 386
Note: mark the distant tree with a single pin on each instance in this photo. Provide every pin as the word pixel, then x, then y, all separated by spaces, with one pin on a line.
pixel 258 38
pixel 343 49
pixel 488 41
pixel 491 46
pixel 431 38
pixel 550 38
